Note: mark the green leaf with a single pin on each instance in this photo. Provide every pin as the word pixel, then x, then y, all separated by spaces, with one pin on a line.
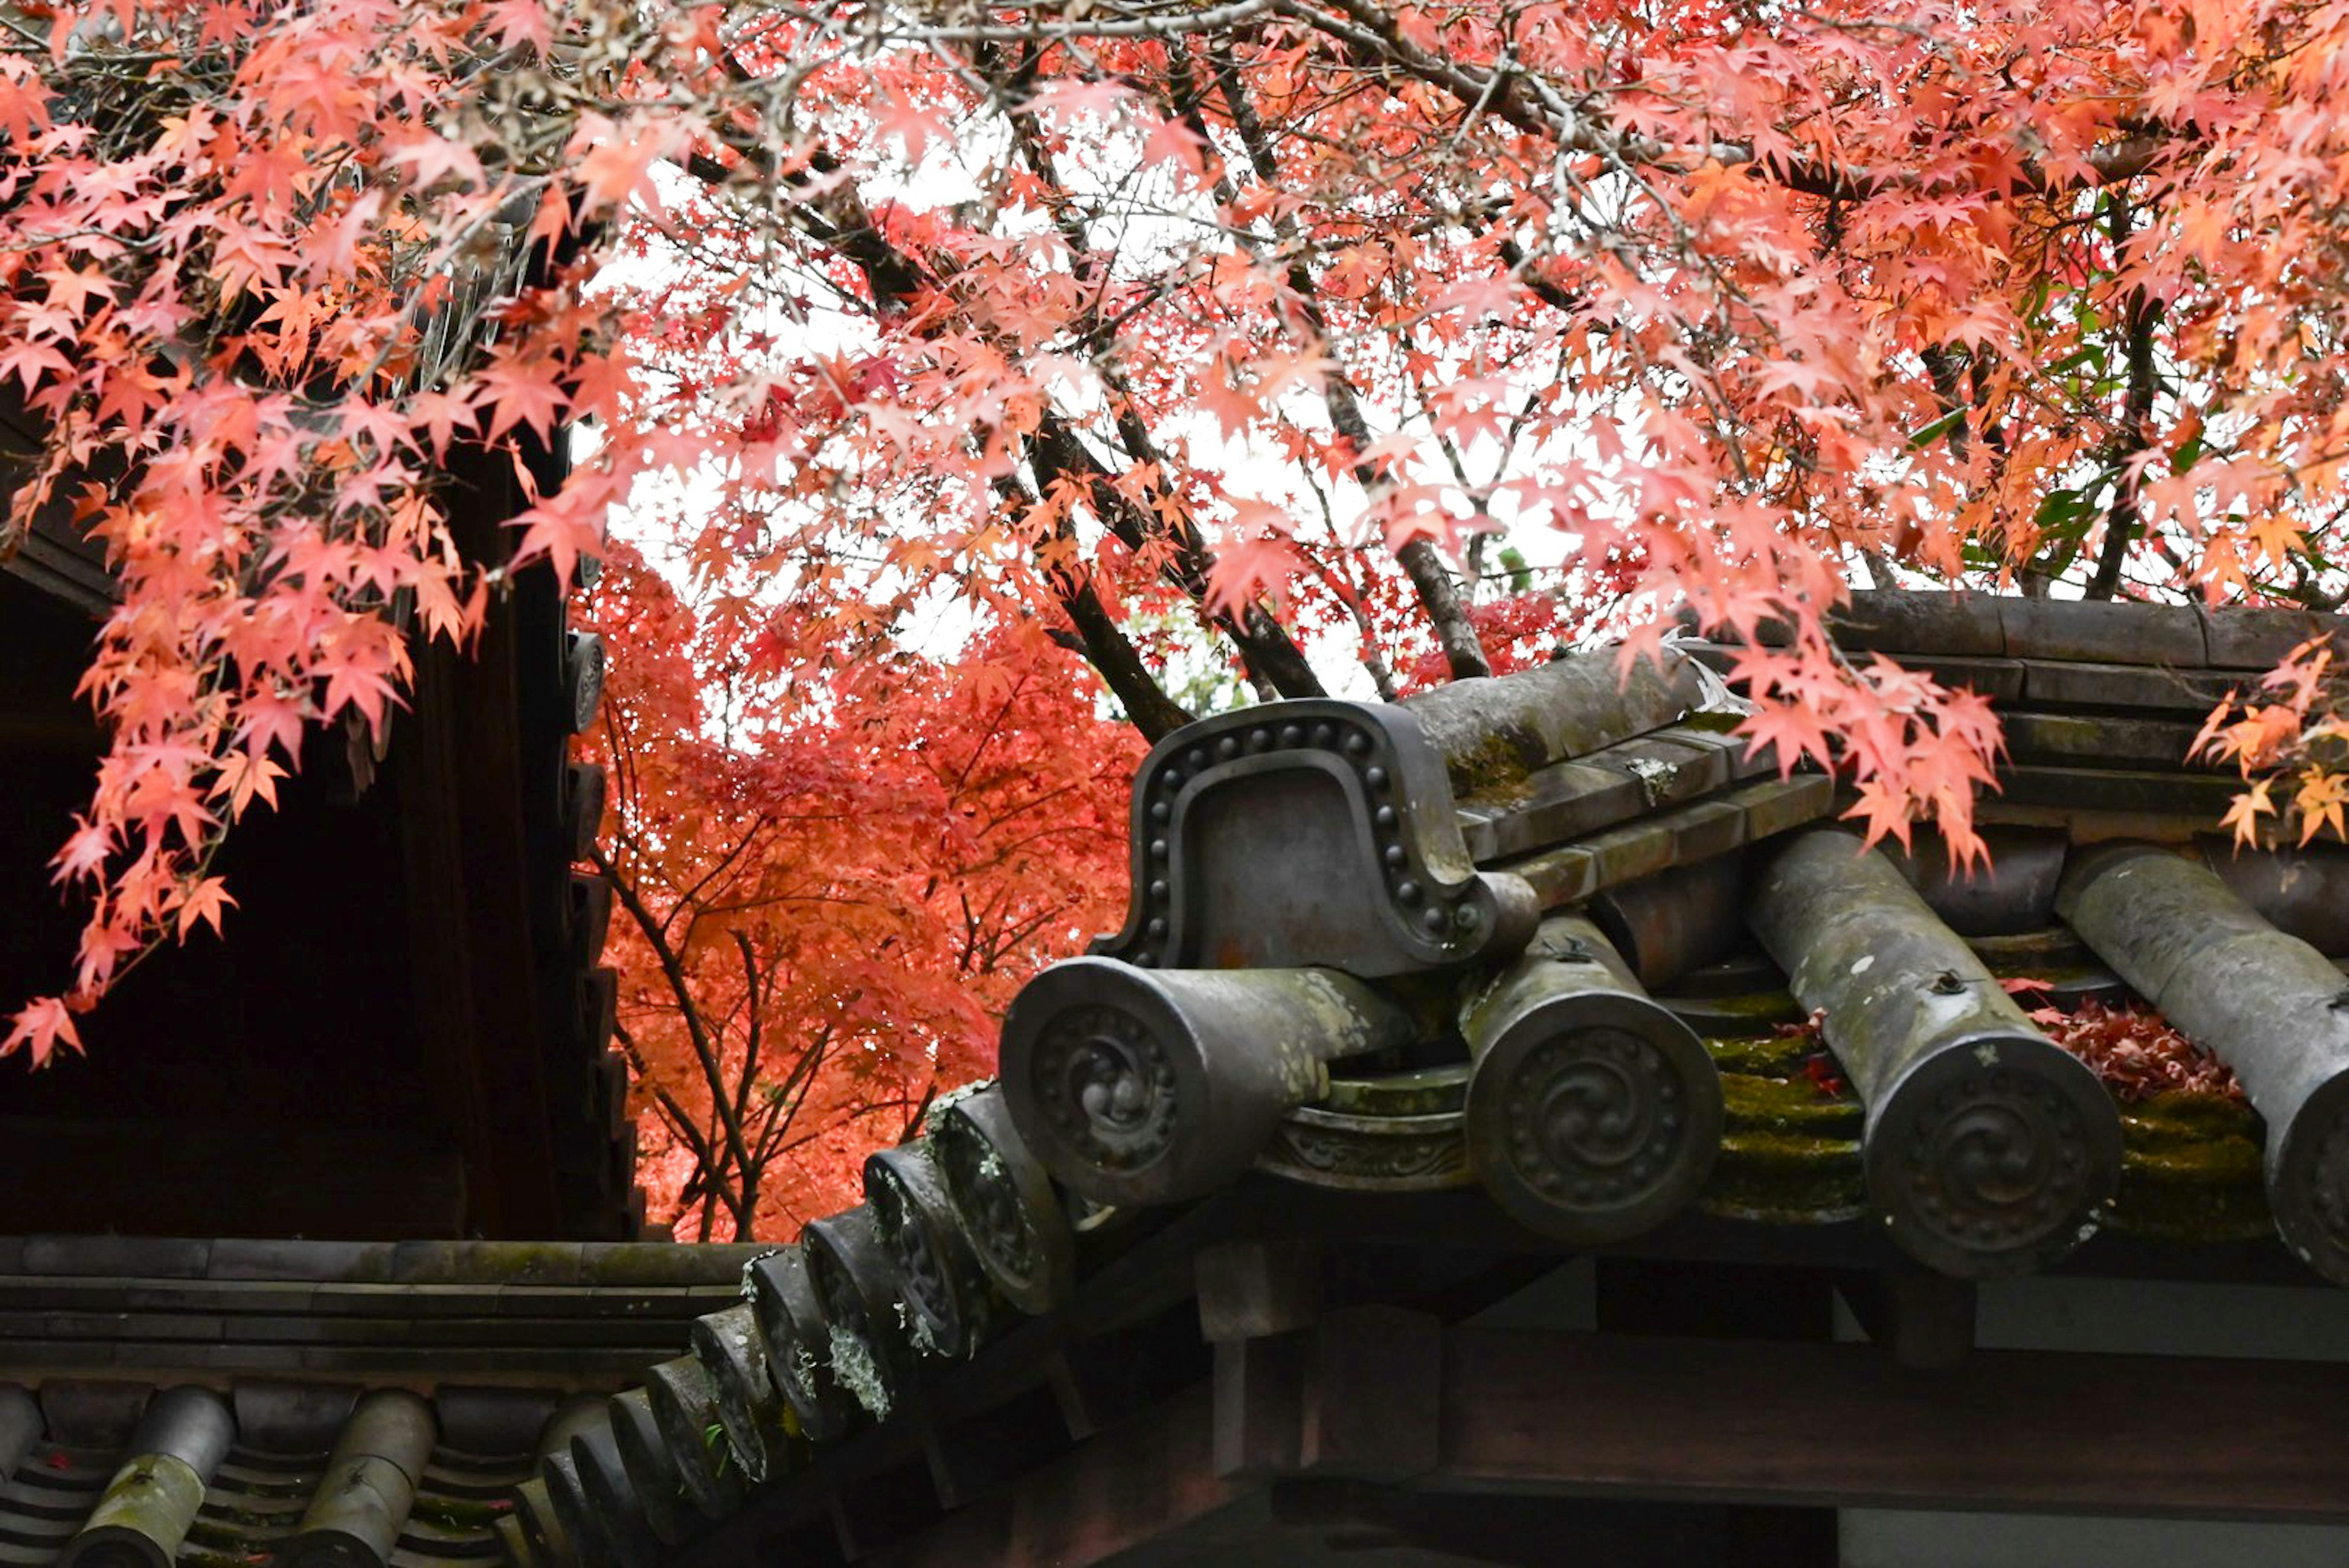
pixel 1937 430
pixel 2064 513
pixel 1521 575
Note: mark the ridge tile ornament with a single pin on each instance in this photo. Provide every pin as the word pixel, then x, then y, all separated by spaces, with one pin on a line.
pixel 683 1395
pixel 1613 795
pixel 1005 1201
pixel 655 1484
pixel 1304 834
pixel 749 1411
pixel 951 1305
pixel 872 1352
pixel 798 1335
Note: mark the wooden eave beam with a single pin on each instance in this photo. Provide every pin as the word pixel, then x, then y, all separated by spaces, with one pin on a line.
pixel 196 1178
pixel 1827 1425
pixel 1389 1399
pixel 1131 1485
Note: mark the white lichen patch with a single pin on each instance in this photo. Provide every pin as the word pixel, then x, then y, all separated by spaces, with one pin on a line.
pixel 950 1099
pixel 917 1329
pixel 1654 776
pixel 1866 963
pixel 1987 1054
pixel 854 1369
pixel 745 1290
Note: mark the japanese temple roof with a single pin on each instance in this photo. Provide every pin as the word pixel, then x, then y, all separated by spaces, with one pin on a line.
pixel 217 1402
pixel 1516 971
pixel 1412 1004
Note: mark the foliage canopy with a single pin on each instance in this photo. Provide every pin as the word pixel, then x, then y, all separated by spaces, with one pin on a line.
pixel 932 346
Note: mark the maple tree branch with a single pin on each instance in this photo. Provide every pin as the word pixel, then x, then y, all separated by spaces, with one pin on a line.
pixel 1265 646
pixel 753 1011
pixel 921 1108
pixel 691 897
pixel 790 1097
pixel 1566 302
pixel 1058 453
pixel 1104 644
pixel 2131 439
pixel 1171 24
pixel 836 217
pixel 1003 938
pixel 1529 103
pixel 696 1031
pixel 986 739
pixel 679 1120
pixel 1349 593
pixel 1439 595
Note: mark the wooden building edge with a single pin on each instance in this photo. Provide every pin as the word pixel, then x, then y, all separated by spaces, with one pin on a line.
pixel 407 1032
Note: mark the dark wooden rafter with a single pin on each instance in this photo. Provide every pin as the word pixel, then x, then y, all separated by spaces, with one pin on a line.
pixel 1126 1487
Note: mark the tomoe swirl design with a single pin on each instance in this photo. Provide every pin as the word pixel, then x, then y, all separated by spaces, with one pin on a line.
pixel 2321 1201
pixel 1596 1118
pixel 1995 1162
pixel 936 1324
pixel 1107 1085
pixel 984 1194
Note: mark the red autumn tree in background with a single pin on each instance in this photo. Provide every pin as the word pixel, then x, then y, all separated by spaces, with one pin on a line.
pixel 1213 343
pixel 825 905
